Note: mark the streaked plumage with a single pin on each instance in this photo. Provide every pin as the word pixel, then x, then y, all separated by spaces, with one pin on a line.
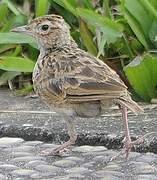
pixel 71 80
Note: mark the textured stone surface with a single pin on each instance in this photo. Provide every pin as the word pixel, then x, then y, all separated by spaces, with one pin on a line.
pixel 30 119
pixel 2 177
pixel 83 162
pixel 5 141
pixel 23 172
pixel 36 127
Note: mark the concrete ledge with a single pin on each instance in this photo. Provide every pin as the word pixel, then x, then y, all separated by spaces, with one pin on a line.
pixel 30 119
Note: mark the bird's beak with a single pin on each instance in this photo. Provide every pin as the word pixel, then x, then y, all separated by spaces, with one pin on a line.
pixel 22 29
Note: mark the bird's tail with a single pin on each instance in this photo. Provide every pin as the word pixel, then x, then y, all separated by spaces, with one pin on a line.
pixel 130 104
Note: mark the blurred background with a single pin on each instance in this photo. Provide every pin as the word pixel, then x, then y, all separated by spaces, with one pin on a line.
pixel 122 33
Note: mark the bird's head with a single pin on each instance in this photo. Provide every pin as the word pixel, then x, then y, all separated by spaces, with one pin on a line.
pixel 50 31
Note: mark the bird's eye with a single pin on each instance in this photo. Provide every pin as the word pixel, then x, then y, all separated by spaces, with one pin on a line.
pixel 45 27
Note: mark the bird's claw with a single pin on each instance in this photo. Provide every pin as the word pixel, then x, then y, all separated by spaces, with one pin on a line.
pixel 128 144
pixel 54 152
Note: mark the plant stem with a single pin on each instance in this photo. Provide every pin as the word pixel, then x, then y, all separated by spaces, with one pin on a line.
pixel 130 53
pixel 107 10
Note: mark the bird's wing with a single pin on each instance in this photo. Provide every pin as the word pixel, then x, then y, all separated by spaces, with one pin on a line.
pixel 85 78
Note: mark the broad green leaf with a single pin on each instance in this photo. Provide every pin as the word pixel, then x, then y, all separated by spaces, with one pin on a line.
pixel 41 7
pixel 136 28
pixel 59 2
pixel 8 75
pixel 73 3
pixel 142 75
pixel 98 21
pixel 140 15
pixel 136 9
pixel 16 38
pixel 18 64
pixel 111 30
pixel 86 4
pixel 70 6
pixel 151 6
pixel 87 38
pixel 153 3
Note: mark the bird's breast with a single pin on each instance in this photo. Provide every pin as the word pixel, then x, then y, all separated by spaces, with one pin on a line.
pixel 41 82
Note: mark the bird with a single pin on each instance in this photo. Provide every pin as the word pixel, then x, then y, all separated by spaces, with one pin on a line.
pixel 73 82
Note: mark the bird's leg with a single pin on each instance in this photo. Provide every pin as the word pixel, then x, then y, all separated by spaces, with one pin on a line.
pixel 128 144
pixel 127 140
pixel 72 134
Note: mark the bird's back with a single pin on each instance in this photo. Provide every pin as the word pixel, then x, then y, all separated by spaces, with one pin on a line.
pixel 74 79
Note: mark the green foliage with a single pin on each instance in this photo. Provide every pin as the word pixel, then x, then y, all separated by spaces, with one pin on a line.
pixel 18 64
pixel 122 33
pixel 109 31
pixel 87 38
pixel 8 75
pixel 15 38
pixel 141 15
pixel 142 74
pixel 41 7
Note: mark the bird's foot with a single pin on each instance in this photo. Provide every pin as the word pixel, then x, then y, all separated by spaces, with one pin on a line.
pixel 128 144
pixel 55 151
pixel 60 150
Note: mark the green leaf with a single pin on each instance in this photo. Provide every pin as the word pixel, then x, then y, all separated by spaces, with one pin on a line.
pixel 18 20
pixel 110 29
pixel 153 3
pixel 67 15
pixel 136 9
pixel 42 7
pixel 135 26
pixel 16 38
pixel 12 7
pixel 151 6
pixel 86 4
pixel 17 51
pixel 18 64
pixel 97 20
pixel 140 14
pixel 3 11
pixel 142 73
pixel 8 75
pixel 87 37
pixel 69 5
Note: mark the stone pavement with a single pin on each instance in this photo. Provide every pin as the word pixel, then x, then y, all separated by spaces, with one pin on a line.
pixel 22 160
pixel 27 127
